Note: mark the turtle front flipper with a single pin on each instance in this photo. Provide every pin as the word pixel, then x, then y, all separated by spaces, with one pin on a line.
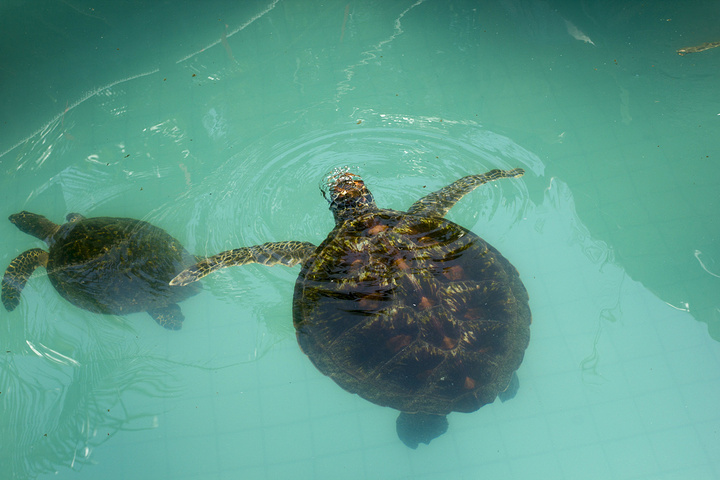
pixel 169 316
pixel 17 274
pixel 416 428
pixel 438 203
pixel 272 253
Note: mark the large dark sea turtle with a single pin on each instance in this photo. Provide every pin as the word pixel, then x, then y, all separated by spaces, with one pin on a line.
pixel 105 265
pixel 406 309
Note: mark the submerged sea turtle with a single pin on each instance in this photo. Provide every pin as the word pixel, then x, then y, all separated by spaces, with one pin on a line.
pixel 406 309
pixel 105 265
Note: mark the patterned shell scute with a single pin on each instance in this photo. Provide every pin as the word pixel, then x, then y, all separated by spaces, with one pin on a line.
pixel 414 313
pixel 117 265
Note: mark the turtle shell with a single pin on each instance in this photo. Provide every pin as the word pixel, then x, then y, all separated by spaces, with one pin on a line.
pixel 117 265
pixel 415 313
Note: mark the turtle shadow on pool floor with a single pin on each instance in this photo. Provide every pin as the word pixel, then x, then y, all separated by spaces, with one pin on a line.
pixel 406 309
pixel 105 265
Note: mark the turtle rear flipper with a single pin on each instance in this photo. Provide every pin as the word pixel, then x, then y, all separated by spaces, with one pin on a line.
pixel 170 316
pixel 416 428
pixel 511 389
pixel 17 274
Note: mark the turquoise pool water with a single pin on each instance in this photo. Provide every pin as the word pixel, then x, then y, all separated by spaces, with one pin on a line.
pixel 217 122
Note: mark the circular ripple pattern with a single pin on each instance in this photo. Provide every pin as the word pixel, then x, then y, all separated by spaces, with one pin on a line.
pixel 270 190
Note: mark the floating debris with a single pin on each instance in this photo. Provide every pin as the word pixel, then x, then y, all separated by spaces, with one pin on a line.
pixel 577 34
pixel 700 48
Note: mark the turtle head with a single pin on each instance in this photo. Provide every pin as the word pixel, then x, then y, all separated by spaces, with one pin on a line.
pixel 35 225
pixel 347 194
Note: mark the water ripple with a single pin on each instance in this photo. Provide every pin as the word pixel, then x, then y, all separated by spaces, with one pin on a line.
pixel 268 191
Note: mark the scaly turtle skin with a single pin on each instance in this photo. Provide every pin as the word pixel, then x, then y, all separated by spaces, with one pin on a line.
pixel 406 309
pixel 104 265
